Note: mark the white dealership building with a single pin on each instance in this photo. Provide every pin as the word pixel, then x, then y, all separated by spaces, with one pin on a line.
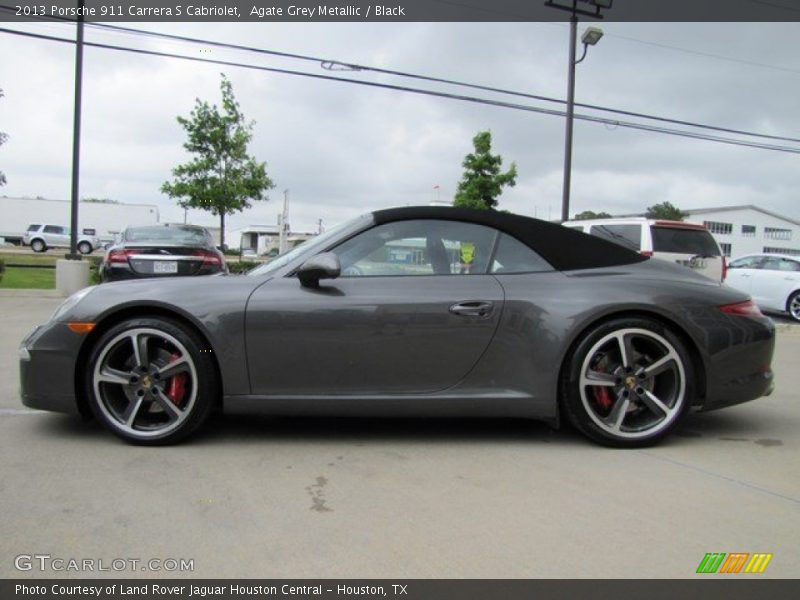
pixel 749 229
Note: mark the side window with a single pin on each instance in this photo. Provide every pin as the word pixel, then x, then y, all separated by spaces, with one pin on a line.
pixel 790 265
pixel 782 264
pixel 771 264
pixel 512 256
pixel 629 235
pixel 748 262
pixel 418 247
pixel 53 229
pixel 33 227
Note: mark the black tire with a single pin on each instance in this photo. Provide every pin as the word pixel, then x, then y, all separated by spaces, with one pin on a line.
pixel 627 402
pixel 38 246
pixel 85 248
pixel 793 306
pixel 133 369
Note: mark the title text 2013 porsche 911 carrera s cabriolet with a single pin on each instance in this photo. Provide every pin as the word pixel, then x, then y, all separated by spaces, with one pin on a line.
pixel 412 311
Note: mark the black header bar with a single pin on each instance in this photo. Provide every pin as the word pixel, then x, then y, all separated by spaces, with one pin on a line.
pixel 402 10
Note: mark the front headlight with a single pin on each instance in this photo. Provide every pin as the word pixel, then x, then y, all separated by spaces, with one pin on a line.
pixel 70 302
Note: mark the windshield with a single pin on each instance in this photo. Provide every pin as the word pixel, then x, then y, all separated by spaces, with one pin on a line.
pixel 309 248
pixel 176 235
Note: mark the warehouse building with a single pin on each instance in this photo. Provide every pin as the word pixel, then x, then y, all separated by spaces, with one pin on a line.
pixel 749 229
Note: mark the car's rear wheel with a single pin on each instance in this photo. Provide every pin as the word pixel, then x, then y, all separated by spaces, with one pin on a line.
pixel 793 306
pixel 38 246
pixel 85 248
pixel 151 381
pixel 629 383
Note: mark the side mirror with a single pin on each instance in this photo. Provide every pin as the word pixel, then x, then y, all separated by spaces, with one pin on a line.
pixel 321 266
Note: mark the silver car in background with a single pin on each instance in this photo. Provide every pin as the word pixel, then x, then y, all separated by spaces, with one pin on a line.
pixel 40 237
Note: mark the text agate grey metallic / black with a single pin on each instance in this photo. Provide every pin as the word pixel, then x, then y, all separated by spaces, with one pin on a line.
pixel 411 311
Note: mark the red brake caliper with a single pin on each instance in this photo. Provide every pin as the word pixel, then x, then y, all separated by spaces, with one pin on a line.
pixel 177 384
pixel 602 397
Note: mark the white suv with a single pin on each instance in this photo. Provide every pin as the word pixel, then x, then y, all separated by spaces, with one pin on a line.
pixel 42 237
pixel 688 244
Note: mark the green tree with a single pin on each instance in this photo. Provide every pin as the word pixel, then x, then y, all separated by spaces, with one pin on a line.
pixel 483 182
pixel 221 177
pixel 590 214
pixel 3 138
pixel 665 210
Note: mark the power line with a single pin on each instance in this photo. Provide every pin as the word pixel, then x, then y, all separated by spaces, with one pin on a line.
pixel 335 65
pixel 421 91
pixel 332 64
pixel 741 61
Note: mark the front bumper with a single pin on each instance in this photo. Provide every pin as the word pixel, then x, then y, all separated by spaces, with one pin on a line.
pixel 48 357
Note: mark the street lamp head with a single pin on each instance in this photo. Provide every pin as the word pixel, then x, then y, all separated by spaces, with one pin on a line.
pixel 591 36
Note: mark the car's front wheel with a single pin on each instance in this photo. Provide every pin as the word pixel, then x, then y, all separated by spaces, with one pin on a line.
pixel 85 248
pixel 151 381
pixel 38 246
pixel 629 383
pixel 793 306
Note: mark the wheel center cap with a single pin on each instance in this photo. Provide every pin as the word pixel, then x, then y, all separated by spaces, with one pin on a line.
pixel 630 382
pixel 147 383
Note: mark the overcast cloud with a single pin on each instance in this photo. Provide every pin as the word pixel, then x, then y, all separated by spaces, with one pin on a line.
pixel 344 149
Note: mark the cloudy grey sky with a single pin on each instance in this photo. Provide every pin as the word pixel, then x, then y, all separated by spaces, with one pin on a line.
pixel 344 149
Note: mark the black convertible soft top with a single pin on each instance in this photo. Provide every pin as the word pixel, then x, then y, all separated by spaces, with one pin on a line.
pixel 564 248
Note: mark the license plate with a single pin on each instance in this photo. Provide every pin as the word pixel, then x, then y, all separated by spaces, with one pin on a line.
pixel 165 266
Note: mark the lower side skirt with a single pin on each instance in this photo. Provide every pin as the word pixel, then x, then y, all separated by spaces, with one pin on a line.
pixel 512 405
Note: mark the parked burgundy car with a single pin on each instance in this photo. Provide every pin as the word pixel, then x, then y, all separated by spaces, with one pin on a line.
pixel 162 251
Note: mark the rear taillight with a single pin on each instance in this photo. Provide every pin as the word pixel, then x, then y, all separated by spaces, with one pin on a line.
pixel 120 256
pixel 748 308
pixel 210 259
pixel 646 253
pixel 724 268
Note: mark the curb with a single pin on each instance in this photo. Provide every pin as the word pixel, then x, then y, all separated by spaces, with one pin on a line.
pixel 29 293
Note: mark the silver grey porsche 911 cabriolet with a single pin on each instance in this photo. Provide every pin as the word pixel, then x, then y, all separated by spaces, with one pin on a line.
pixel 412 311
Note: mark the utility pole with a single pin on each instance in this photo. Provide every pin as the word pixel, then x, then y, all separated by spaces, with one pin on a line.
pixel 76 138
pixel 283 224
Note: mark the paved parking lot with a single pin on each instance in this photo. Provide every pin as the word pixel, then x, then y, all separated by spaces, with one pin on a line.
pixel 262 497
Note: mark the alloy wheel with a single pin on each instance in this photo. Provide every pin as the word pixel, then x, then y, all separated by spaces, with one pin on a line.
pixel 633 383
pixel 145 382
pixel 794 307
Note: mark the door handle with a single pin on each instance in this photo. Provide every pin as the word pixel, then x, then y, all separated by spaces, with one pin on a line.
pixel 472 308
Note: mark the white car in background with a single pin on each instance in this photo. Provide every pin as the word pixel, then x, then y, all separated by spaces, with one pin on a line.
pixel 688 244
pixel 773 280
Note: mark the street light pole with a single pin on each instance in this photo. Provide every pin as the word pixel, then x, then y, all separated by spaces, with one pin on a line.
pixel 573 40
pixel 76 138
pixel 590 37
